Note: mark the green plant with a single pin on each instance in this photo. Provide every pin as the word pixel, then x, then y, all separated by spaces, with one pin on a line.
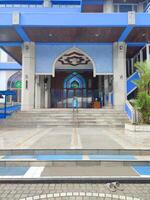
pixel 143 69
pixel 142 102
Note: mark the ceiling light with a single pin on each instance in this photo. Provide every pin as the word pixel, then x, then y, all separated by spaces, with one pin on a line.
pixel 97 35
pixel 50 34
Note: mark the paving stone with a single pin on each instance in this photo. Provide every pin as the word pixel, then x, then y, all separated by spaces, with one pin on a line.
pixel 72 192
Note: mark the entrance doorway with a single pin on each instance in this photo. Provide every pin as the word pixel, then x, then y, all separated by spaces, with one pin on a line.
pixel 58 91
pixel 79 84
pixel 74 75
pixel 74 86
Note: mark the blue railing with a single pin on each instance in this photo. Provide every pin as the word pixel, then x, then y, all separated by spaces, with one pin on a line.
pixel 9 111
pixel 129 111
pixel 6 111
pixel 133 115
pixel 131 86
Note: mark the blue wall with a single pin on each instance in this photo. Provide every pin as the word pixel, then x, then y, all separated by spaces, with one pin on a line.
pixel 10 66
pixel 100 54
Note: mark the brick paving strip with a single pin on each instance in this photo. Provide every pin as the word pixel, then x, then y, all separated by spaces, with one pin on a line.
pixel 73 191
pixel 80 194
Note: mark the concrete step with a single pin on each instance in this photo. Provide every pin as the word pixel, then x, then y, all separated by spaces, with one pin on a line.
pixel 68 115
pixel 64 117
pixel 65 111
pixel 65 123
pixel 62 125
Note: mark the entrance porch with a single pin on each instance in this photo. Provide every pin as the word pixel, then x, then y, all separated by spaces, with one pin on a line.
pixel 59 91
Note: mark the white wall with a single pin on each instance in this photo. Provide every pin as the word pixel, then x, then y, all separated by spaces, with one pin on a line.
pixel 4 76
pixel 3 56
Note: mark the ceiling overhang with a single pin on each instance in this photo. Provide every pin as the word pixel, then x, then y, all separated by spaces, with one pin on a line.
pixel 91 28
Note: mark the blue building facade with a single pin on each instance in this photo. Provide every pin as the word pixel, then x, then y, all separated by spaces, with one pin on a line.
pixel 91 43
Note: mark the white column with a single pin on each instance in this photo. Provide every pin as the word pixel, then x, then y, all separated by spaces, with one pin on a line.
pixel 108 6
pixel 47 93
pixel 147 52
pixel 140 7
pixel 42 91
pixel 128 67
pixel 132 66
pixel 28 76
pixel 47 3
pixel 37 92
pixel 106 89
pixel 100 83
pixel 119 70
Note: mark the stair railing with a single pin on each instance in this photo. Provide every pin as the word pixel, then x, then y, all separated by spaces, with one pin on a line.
pixel 133 115
pixel 131 86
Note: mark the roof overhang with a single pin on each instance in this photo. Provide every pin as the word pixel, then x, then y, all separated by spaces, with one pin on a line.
pixel 48 26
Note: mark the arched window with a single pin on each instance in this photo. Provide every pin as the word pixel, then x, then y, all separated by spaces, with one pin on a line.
pixel 74 80
pixel 14 81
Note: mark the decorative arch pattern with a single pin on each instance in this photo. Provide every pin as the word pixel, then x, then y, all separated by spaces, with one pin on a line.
pixel 74 78
pixel 75 51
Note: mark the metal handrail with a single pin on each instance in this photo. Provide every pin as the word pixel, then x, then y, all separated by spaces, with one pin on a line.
pixel 133 114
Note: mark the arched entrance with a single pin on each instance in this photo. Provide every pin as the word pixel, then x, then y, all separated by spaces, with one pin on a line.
pixel 73 76
pixel 15 84
pixel 74 85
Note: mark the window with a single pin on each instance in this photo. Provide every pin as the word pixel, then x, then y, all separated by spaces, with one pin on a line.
pixel 125 7
pixel 66 6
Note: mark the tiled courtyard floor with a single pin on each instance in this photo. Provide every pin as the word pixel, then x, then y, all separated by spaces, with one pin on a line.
pixel 66 138
pixel 73 192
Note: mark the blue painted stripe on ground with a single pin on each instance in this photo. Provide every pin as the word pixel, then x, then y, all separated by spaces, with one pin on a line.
pixel 44 157
pixel 142 170
pixel 59 157
pixel 15 157
pixel 70 157
pixel 13 171
pixel 111 157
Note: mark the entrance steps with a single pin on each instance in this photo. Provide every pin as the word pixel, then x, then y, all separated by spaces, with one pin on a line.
pixel 64 117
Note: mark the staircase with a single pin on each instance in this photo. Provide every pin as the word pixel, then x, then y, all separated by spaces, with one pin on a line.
pixel 64 117
pixel 131 86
